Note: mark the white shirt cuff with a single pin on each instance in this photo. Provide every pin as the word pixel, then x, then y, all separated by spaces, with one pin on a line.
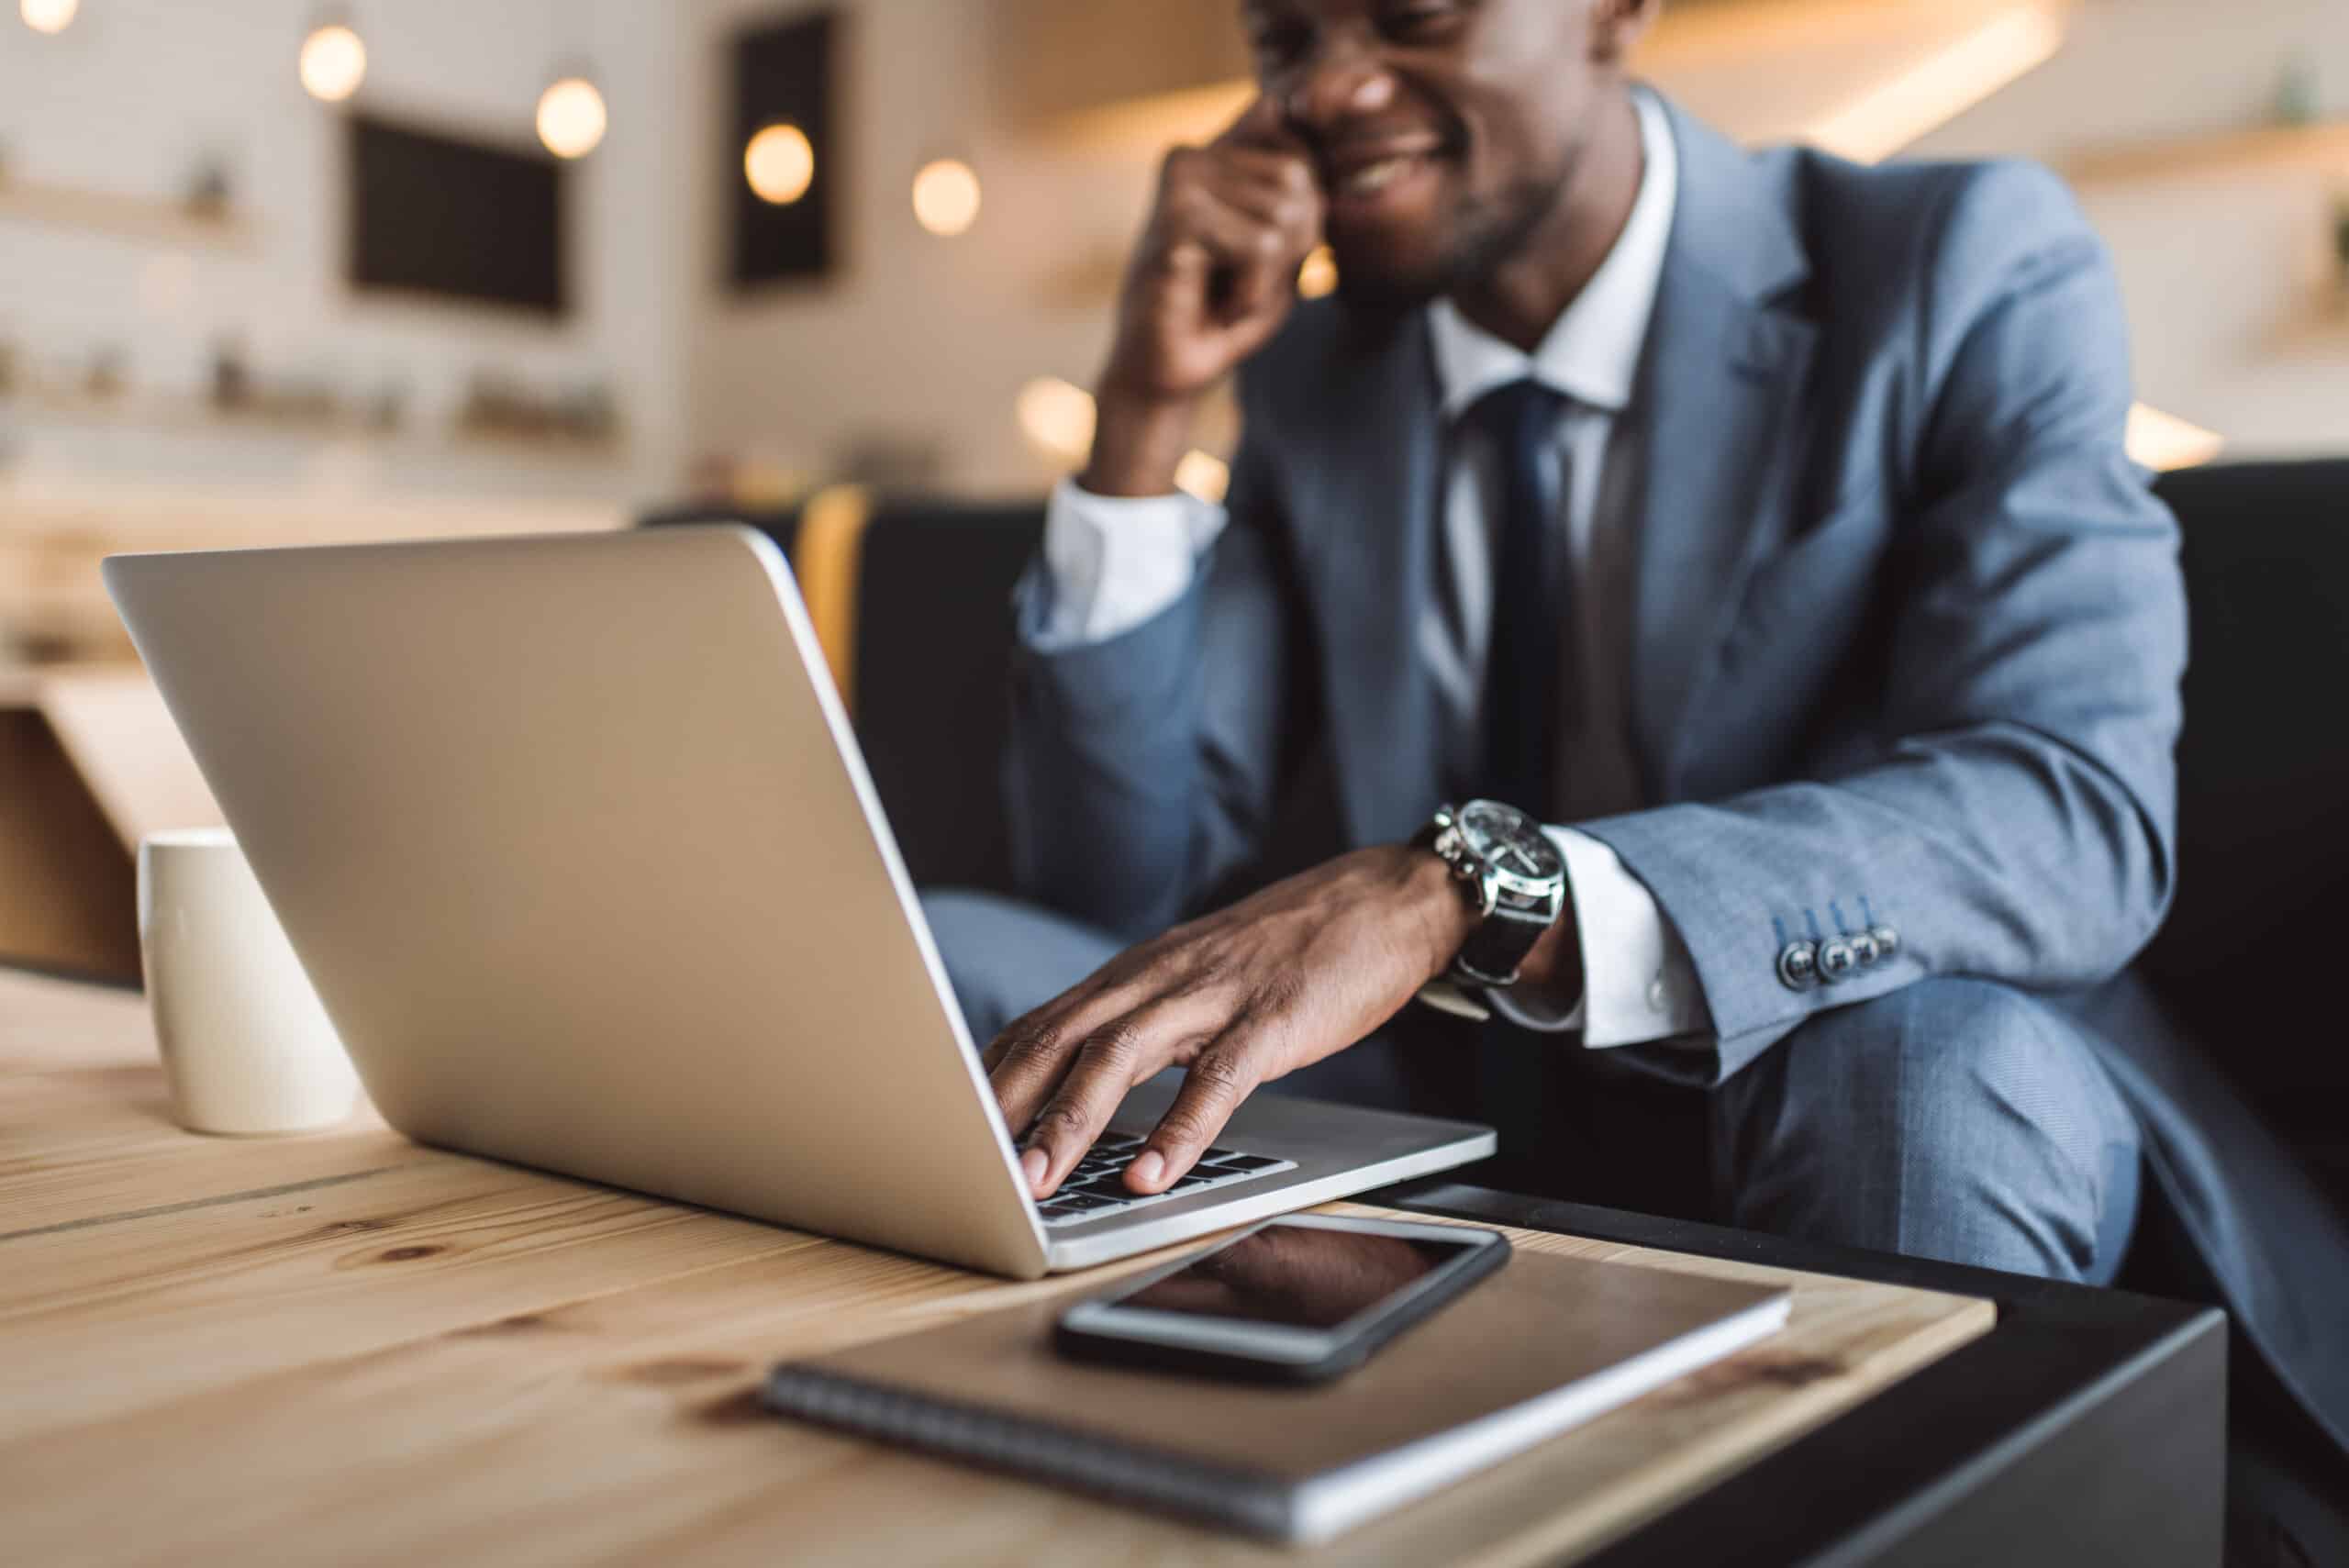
pixel 1112 563
pixel 1639 982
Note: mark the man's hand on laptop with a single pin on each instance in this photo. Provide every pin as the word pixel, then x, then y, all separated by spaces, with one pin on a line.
pixel 1281 980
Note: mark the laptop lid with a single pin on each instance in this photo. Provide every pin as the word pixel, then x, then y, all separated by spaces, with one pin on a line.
pixel 574 840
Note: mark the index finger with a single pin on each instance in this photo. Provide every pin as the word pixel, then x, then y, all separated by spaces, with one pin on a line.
pixel 1216 1081
pixel 1028 1060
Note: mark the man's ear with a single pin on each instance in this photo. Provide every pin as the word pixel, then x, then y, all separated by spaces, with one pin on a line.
pixel 1617 27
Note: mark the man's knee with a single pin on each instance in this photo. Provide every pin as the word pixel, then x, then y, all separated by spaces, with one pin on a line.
pixel 1003 957
pixel 1952 1118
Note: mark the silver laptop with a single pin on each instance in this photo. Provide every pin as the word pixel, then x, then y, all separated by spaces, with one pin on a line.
pixel 575 841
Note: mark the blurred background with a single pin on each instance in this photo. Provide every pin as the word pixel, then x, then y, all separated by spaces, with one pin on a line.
pixel 272 270
pixel 581 257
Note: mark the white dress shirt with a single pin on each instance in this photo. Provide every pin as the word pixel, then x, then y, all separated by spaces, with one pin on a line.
pixel 1115 562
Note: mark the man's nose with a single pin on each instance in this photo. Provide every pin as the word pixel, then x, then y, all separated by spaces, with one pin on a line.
pixel 1343 78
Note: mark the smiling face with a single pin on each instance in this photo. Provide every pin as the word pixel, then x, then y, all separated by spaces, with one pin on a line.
pixel 1444 131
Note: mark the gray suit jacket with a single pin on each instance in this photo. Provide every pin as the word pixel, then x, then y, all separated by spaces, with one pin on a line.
pixel 1909 631
pixel 1907 642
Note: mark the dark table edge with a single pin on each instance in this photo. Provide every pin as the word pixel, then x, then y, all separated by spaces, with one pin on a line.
pixel 1924 1468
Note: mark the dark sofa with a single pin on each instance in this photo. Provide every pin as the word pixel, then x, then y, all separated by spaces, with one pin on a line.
pixel 2246 957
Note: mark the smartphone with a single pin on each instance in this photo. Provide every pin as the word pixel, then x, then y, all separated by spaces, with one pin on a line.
pixel 1300 1299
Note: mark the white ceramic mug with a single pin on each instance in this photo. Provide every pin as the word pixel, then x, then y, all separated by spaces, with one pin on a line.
pixel 246 1045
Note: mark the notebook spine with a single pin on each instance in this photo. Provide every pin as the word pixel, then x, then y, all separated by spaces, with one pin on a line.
pixel 1023 1446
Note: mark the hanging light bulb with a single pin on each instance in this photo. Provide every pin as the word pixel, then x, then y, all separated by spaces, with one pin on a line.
pixel 780 163
pixel 334 62
pixel 946 197
pixel 48 16
pixel 572 118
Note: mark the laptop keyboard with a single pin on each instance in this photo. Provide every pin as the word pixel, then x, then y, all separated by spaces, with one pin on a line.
pixel 1095 1187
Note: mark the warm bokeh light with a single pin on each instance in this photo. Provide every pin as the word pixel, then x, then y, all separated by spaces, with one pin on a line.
pixel 334 62
pixel 571 117
pixel 1937 89
pixel 946 197
pixel 1057 416
pixel 780 163
pixel 49 16
pixel 2164 441
pixel 1204 476
pixel 1318 277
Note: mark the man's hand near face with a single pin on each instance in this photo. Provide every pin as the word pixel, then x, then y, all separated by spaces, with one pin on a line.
pixel 1211 281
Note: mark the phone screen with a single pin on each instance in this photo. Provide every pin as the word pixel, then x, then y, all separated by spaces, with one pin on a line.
pixel 1299 1276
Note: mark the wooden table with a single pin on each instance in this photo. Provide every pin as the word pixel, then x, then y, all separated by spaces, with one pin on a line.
pixel 345 1347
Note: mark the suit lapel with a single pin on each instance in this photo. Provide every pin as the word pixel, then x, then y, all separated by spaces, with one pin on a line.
pixel 1366 514
pixel 1721 381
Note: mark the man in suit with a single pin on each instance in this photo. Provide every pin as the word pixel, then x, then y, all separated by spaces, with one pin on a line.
pixel 1760 524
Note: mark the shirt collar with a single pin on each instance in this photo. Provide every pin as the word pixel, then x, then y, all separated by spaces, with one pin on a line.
pixel 1592 352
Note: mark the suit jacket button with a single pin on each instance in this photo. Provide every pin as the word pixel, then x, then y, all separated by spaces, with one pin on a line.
pixel 1887 943
pixel 1837 960
pixel 1799 965
pixel 1863 948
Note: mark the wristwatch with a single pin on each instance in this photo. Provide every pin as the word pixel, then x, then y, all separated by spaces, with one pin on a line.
pixel 1513 877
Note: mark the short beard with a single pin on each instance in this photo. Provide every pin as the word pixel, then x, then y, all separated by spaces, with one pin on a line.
pixel 1485 237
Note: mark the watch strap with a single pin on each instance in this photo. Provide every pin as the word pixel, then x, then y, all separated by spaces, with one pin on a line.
pixel 1497 948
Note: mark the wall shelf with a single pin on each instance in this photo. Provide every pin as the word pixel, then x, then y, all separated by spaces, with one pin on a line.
pixel 124 217
pixel 552 447
pixel 2322 147
pixel 162 414
pixel 191 414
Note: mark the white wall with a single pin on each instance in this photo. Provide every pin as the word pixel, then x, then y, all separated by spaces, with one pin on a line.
pixel 2225 275
pixel 916 336
pixel 135 91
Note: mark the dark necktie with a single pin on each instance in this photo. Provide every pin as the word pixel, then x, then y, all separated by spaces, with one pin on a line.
pixel 1524 666
pixel 1524 661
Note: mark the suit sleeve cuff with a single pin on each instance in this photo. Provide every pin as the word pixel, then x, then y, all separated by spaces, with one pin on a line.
pixel 1111 563
pixel 1639 982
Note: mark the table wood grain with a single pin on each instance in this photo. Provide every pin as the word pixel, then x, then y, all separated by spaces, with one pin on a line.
pixel 345 1347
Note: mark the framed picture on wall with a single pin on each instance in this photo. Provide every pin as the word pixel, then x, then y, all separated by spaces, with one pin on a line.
pixel 783 158
pixel 437 213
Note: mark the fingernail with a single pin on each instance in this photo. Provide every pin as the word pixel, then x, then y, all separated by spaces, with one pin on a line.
pixel 1149 1168
pixel 1033 1165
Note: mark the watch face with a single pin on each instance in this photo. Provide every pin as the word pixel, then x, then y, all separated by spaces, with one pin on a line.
pixel 1509 840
